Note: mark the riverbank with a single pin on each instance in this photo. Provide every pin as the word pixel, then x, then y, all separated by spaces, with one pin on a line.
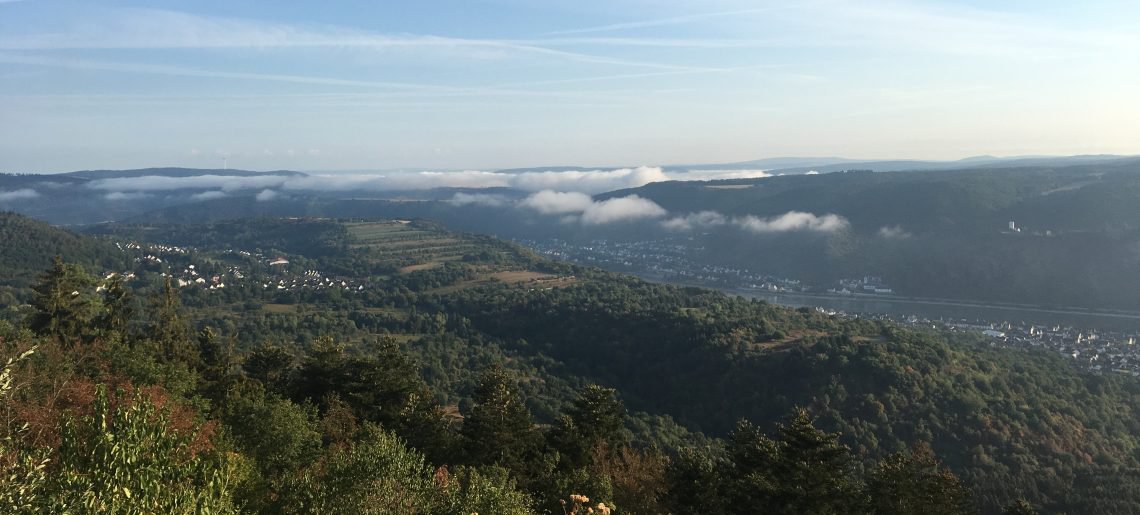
pixel 940 309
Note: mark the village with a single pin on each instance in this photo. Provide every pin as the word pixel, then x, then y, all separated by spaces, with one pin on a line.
pixel 215 272
pixel 1096 350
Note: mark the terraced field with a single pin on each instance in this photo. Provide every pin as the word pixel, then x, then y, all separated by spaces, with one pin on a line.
pixel 408 243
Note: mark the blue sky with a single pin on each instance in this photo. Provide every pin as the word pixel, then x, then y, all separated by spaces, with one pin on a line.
pixel 491 84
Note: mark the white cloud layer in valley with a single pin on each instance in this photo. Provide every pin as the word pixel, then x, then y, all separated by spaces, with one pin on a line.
pixel 20 194
pixel 566 194
pixel 583 181
pixel 788 222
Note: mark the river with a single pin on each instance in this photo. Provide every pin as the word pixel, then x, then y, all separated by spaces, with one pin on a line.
pixel 958 310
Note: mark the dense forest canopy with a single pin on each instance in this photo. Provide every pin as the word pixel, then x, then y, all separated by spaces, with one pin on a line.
pixel 393 366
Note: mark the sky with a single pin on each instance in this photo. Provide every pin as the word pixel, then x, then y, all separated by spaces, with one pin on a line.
pixel 481 85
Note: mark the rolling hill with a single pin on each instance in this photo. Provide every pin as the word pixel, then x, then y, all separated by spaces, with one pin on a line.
pixel 1012 423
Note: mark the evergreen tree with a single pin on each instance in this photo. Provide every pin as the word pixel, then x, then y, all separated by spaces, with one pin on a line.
pixel 62 303
pixel 215 364
pixel 915 482
pixel 377 386
pixel 118 308
pixel 498 430
pixel 169 330
pixel 596 418
pixel 814 471
pixel 270 365
pixel 697 481
pixel 1019 507
pixel 804 470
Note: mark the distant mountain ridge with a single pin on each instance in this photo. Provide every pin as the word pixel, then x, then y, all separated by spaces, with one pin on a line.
pixel 790 165
pixel 174 172
pixel 802 165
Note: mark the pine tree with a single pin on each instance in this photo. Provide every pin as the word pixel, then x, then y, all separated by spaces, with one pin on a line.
pixel 596 418
pixel 1019 507
pixel 498 430
pixel 118 308
pixel 814 470
pixel 803 470
pixel 915 482
pixel 271 366
pixel 62 303
pixel 169 331
pixel 377 386
pixel 216 362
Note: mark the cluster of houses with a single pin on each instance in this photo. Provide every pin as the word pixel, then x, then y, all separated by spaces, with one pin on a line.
pixel 311 279
pixel 268 272
pixel 190 276
pixel 150 251
pixel 1099 351
pixel 866 285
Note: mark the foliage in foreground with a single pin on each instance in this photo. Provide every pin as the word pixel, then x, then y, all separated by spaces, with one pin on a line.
pixel 113 402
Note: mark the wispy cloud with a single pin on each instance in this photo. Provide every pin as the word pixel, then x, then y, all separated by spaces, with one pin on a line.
pixel 158 29
pixel 701 220
pixel 159 183
pixel 578 181
pixel 581 208
pixel 549 202
pixel 893 232
pixel 479 199
pixel 20 194
pixel 267 195
pixel 909 26
pixel 793 221
pixel 717 175
pixel 591 181
pixel 207 195
pixel 659 22
pixel 621 209
pixel 897 25
pixel 157 69
pixel 124 196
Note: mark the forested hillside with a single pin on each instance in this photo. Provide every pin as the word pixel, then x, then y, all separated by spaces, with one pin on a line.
pixel 377 366
pixel 26 245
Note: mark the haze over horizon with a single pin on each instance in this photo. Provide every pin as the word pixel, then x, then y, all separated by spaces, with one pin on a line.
pixel 513 83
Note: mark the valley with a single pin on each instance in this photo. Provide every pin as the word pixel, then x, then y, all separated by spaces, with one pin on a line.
pixel 456 303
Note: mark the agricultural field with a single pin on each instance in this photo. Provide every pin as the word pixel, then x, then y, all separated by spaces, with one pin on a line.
pixel 409 244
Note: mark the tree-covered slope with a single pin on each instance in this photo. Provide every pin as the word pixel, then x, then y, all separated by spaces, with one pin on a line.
pixel 1006 420
pixel 1011 423
pixel 27 248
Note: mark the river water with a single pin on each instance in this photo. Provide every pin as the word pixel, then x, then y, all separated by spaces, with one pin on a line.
pixel 957 310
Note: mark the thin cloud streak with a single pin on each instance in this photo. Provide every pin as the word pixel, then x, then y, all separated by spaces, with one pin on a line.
pixel 83 64
pixel 659 22
pixel 397 88
pixel 159 29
